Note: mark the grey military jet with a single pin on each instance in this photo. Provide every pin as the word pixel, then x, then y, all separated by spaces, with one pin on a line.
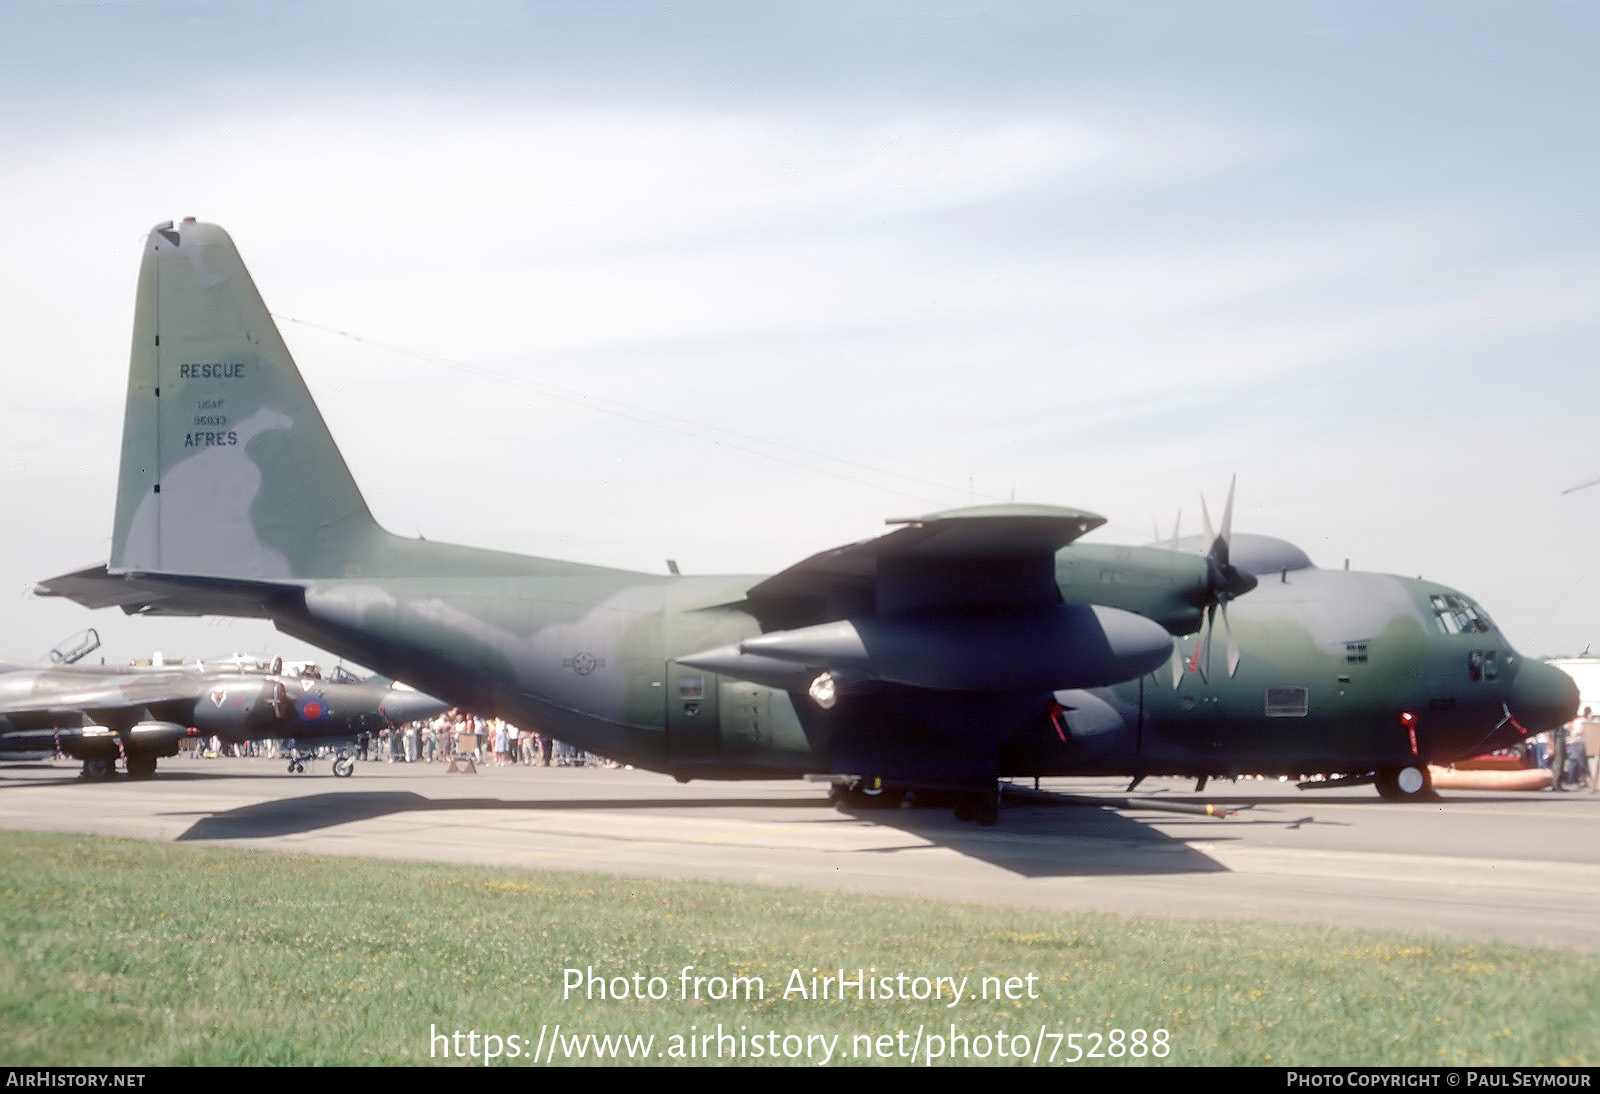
pixel 961 648
pixel 139 715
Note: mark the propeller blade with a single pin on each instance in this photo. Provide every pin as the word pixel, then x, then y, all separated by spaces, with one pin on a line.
pixel 1233 643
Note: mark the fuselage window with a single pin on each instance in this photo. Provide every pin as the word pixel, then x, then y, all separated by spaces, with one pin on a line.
pixel 1288 702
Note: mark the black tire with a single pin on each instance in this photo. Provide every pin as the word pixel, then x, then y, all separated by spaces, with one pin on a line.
pixel 344 767
pixel 141 767
pixel 855 798
pixel 99 769
pixel 982 807
pixel 1405 784
pixel 986 810
pixel 869 793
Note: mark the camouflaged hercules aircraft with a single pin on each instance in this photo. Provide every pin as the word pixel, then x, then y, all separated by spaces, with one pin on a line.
pixel 96 714
pixel 961 648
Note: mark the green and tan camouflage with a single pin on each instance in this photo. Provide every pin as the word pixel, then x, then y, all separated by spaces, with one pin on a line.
pixel 959 648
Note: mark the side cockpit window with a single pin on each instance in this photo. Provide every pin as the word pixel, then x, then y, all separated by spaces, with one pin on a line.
pixel 1454 614
pixel 1482 665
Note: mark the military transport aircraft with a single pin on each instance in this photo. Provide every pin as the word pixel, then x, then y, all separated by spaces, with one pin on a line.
pixel 96 713
pixel 961 648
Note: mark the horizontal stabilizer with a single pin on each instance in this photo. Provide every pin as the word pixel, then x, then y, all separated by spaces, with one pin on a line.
pixel 167 594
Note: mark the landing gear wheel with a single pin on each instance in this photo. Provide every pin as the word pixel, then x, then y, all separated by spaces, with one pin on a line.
pixel 868 793
pixel 982 806
pixel 99 769
pixel 296 767
pixel 1405 784
pixel 986 810
pixel 141 767
pixel 344 767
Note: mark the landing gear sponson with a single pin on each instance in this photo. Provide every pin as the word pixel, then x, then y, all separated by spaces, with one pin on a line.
pixel 871 792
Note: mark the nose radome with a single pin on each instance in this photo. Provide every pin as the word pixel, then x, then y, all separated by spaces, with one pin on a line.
pixel 400 706
pixel 1542 696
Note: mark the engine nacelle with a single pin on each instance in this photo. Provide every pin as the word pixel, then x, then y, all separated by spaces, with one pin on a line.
pixel 997 650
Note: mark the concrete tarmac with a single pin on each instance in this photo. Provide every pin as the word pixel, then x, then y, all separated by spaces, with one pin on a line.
pixel 1515 867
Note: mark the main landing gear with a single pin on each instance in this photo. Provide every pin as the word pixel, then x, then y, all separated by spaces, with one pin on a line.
pixel 980 806
pixel 99 769
pixel 104 768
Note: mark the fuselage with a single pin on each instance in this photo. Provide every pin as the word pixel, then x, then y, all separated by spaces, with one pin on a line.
pixel 1339 672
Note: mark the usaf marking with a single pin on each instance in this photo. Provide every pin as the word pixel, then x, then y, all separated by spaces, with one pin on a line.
pixel 584 663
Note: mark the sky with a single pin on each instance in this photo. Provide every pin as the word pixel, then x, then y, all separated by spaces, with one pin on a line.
pixel 732 283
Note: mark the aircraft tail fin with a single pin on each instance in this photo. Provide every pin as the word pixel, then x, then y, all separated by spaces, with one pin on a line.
pixel 228 469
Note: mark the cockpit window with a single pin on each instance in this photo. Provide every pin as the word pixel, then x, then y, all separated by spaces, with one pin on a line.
pixel 1454 614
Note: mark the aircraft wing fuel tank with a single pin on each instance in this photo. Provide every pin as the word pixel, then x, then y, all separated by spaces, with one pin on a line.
pixel 957 649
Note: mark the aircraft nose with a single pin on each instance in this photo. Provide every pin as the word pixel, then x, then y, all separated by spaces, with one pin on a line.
pixel 1542 697
pixel 400 706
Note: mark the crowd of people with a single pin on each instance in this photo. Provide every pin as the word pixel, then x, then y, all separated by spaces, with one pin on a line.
pixel 1571 753
pixel 456 734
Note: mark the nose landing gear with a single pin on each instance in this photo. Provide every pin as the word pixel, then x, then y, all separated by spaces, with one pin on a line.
pixel 1404 784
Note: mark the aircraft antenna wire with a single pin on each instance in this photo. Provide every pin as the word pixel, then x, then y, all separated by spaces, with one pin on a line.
pixel 672 423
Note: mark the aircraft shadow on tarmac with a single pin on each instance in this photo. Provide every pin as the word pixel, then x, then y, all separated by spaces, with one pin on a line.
pixel 167 775
pixel 1032 840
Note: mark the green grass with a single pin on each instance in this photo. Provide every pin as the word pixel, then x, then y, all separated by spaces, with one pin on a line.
pixel 124 953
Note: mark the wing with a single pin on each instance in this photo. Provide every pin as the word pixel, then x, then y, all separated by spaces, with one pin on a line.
pixel 47 697
pixel 964 600
pixel 987 554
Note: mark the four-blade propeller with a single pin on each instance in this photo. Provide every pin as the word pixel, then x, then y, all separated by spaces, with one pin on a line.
pixel 1224 582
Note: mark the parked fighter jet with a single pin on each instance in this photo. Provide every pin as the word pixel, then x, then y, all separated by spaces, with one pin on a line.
pixel 961 648
pixel 96 714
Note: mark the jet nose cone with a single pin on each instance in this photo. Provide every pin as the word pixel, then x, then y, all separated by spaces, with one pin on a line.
pixel 400 705
pixel 1542 697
